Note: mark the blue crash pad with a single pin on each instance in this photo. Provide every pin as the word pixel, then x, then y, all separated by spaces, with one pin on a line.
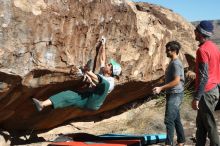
pixel 145 138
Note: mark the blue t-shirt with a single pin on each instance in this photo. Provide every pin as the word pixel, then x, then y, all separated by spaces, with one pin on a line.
pixel 175 68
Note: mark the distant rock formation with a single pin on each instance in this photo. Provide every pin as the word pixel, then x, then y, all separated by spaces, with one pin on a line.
pixel 39 36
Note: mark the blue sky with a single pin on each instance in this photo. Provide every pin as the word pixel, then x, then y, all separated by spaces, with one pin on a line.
pixel 191 10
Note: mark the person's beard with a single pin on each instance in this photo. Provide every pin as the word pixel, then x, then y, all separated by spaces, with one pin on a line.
pixel 168 55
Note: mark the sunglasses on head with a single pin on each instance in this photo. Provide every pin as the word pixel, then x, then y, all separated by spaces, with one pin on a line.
pixel 167 50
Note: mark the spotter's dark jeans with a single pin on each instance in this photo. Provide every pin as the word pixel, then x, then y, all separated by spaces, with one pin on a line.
pixel 172 118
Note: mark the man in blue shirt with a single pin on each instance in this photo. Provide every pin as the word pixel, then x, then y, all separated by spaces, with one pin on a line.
pixel 174 86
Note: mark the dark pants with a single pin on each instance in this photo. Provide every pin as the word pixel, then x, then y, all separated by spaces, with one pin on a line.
pixel 172 118
pixel 205 121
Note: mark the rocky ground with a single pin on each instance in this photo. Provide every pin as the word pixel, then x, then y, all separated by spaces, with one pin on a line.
pixel 136 119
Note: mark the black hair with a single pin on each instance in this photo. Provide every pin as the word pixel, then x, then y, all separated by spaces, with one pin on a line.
pixel 173 46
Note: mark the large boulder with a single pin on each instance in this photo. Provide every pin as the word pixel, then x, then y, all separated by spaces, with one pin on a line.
pixel 37 37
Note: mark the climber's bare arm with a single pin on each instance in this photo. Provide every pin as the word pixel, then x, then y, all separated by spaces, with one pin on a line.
pixel 93 76
pixel 88 79
pixel 103 53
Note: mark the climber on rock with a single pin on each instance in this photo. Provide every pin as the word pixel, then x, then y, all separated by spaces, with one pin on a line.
pixel 103 83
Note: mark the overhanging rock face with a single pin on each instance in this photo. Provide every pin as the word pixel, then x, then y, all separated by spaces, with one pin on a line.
pixel 38 36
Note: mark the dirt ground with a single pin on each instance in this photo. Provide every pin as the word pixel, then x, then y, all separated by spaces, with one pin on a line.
pixel 146 118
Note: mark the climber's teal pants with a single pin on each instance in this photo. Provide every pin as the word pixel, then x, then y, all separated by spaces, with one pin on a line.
pixel 89 100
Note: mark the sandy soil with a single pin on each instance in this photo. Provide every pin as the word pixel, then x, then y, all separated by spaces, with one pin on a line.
pixel 146 118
